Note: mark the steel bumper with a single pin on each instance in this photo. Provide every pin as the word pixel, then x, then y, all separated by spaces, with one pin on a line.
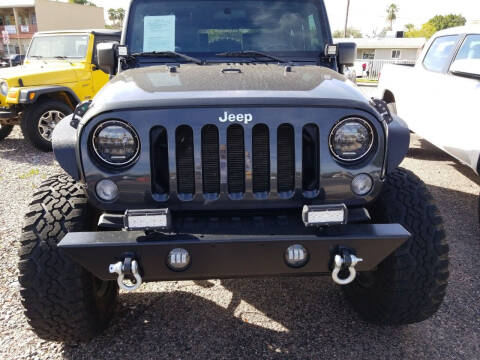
pixel 221 256
pixel 7 114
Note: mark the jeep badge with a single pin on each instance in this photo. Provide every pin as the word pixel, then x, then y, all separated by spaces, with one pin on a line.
pixel 245 118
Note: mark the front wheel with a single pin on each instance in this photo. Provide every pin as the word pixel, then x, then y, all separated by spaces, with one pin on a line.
pixel 62 301
pixel 410 284
pixel 40 119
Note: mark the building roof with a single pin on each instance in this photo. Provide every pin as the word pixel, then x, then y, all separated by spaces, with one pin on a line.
pixel 17 3
pixel 385 43
pixel 90 31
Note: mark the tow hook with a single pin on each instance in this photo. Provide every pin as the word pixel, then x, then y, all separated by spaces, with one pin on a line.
pixel 129 269
pixel 345 261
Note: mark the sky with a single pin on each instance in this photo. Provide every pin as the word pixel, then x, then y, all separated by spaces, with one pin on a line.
pixel 369 15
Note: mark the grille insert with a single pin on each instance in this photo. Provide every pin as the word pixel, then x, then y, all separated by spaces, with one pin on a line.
pixel 159 160
pixel 286 158
pixel 310 158
pixel 261 159
pixel 220 155
pixel 235 159
pixel 185 161
pixel 210 160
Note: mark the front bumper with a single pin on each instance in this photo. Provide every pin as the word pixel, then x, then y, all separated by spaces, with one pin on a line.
pixel 6 114
pixel 220 255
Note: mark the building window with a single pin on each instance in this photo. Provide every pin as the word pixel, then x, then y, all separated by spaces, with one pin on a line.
pixel 368 54
pixel 396 54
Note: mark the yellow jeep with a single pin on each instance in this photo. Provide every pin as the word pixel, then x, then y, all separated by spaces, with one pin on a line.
pixel 60 71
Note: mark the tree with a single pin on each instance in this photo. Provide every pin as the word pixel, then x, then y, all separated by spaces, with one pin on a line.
pixel 116 16
pixel 121 15
pixel 435 24
pixel 392 11
pixel 81 2
pixel 444 22
pixel 410 27
pixel 427 30
pixel 112 14
pixel 351 33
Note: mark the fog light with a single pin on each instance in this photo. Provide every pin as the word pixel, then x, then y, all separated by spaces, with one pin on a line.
pixel 107 190
pixel 362 184
pixel 296 256
pixel 178 259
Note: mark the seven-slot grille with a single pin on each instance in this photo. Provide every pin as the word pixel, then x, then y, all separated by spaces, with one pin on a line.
pixel 221 160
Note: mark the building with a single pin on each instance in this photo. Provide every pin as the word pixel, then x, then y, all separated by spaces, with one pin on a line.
pixel 387 48
pixel 23 18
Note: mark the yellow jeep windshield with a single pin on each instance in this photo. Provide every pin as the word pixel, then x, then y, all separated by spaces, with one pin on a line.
pixel 59 47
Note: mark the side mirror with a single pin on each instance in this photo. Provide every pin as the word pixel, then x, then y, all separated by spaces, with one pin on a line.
pixel 107 60
pixel 466 68
pixel 347 54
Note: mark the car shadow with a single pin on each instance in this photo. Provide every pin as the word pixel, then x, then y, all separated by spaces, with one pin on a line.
pixel 421 149
pixel 288 317
pixel 16 148
pixel 180 324
pixel 466 171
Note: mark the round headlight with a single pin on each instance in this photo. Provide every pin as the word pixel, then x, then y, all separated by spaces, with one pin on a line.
pixel 3 88
pixel 116 143
pixel 351 139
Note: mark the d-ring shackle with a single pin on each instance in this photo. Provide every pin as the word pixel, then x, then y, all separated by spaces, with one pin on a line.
pixel 340 261
pixel 119 268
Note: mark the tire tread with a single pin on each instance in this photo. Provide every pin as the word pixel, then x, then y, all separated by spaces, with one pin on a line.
pixel 409 285
pixel 58 295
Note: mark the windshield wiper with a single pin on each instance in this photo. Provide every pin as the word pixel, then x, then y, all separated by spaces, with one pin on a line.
pixel 60 57
pixel 36 56
pixel 252 54
pixel 169 54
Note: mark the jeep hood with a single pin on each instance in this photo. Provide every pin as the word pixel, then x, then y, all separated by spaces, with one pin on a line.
pixel 221 84
pixel 40 73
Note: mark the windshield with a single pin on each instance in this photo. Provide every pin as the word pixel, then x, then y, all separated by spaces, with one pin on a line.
pixel 63 46
pixel 203 28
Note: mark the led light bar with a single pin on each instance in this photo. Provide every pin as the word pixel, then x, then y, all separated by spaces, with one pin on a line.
pixel 324 215
pixel 154 219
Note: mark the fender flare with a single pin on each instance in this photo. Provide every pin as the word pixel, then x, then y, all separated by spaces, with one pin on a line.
pixel 45 90
pixel 398 143
pixel 64 142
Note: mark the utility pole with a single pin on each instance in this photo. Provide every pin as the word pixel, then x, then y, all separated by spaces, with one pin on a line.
pixel 346 17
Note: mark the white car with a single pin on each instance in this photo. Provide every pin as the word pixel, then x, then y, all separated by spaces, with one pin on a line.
pixel 440 97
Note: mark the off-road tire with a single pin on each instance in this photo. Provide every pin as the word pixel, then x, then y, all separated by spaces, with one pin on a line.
pixel 410 284
pixel 5 130
pixel 31 118
pixel 62 301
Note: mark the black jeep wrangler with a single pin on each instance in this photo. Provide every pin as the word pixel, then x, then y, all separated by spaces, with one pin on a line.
pixel 229 144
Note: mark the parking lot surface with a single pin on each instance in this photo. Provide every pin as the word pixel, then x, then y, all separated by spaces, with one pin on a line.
pixel 305 318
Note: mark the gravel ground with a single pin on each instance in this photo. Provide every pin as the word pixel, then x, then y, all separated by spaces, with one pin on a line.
pixel 260 318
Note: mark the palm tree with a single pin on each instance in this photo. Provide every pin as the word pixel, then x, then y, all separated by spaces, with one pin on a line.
pixel 120 15
pixel 392 11
pixel 112 15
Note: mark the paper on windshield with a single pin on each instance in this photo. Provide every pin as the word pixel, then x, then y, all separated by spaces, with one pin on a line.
pixel 159 33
